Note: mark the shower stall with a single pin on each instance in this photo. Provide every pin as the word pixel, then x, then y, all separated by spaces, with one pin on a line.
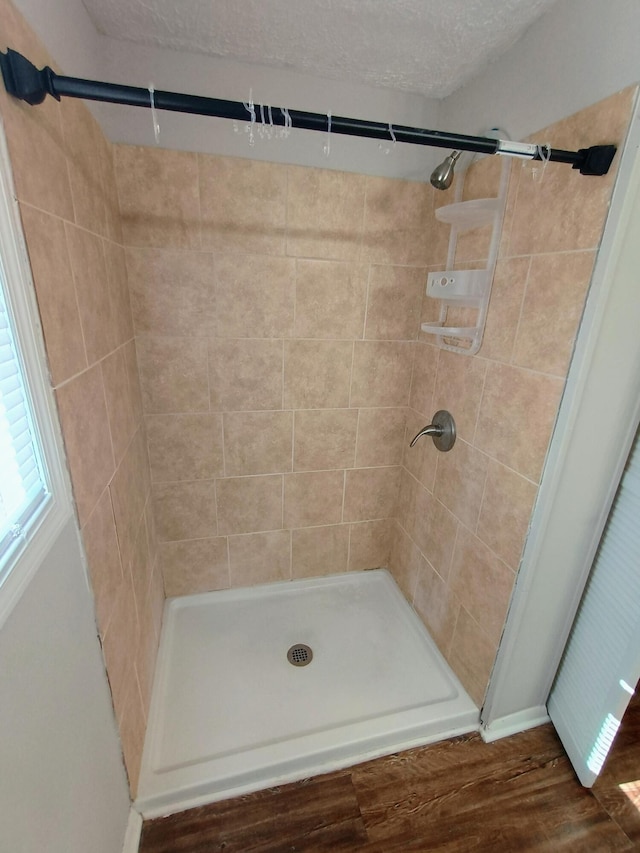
pixel 247 351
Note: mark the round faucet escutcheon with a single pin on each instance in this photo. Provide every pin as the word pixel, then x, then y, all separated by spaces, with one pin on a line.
pixel 442 430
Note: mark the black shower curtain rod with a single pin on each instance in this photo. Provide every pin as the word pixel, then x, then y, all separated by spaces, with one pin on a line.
pixel 24 81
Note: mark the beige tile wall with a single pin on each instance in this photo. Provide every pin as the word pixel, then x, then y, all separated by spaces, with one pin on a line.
pixel 463 517
pixel 64 177
pixel 276 311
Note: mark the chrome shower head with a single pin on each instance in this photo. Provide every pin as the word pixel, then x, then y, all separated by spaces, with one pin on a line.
pixel 442 175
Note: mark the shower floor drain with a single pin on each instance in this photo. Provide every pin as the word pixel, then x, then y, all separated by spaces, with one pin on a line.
pixel 300 655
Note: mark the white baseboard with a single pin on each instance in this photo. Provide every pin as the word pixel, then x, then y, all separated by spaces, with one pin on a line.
pixel 512 724
pixel 132 835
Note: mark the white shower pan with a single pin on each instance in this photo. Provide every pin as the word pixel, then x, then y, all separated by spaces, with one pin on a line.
pixel 230 714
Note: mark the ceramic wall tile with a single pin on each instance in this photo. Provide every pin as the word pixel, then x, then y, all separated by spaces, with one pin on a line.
pixel 381 373
pixel 405 561
pixel 380 437
pixel 313 498
pixel 395 302
pixel 395 217
pixel 471 656
pixel 423 377
pixel 243 205
pixel 159 197
pixel 324 438
pixel 370 545
pixel 141 571
pixel 245 375
pixel 255 296
pixel 87 440
pixel 324 213
pixel 551 311
pixel 55 290
pixel 103 556
pixel 133 377
pixel 106 156
pixel 257 442
pixel 318 551
pixel 118 288
pixel 185 446
pixel 507 504
pixel 371 493
pixel 505 306
pixel 257 558
pixel 436 602
pixel 131 724
pixel 174 374
pixel 120 404
pixel 249 504
pixel 42 182
pixel 481 582
pixel 458 389
pixel 97 315
pixel 82 137
pixel 172 292
pixel 157 598
pixel 435 531
pixel 460 481
pixel 146 653
pixel 517 414
pixel 331 299
pixel 317 374
pixel 119 642
pixel 185 510
pixel 129 491
pixel 197 565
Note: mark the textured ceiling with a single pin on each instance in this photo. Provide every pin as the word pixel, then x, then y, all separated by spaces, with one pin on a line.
pixel 426 46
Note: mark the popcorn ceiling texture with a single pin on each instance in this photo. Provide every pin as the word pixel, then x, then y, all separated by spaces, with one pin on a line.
pixel 428 46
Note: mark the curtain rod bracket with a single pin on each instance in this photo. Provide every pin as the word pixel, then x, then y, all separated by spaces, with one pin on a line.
pixel 24 81
pixel 596 160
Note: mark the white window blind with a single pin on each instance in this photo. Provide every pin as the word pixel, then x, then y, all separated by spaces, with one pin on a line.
pixel 601 663
pixel 24 490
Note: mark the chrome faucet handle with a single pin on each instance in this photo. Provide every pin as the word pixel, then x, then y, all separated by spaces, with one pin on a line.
pixel 442 431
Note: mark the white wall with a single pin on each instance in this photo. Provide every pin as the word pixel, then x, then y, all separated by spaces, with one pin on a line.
pixel 576 54
pixel 140 65
pixel 67 31
pixel 62 782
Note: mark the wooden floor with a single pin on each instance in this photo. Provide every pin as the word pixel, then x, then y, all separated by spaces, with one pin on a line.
pixel 517 794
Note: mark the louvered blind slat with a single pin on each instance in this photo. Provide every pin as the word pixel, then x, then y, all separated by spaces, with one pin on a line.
pixel 23 488
pixel 602 658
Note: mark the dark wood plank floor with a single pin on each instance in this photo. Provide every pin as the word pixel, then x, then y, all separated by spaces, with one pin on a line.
pixel 517 794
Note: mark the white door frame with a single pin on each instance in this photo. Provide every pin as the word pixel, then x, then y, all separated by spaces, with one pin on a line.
pixel 597 420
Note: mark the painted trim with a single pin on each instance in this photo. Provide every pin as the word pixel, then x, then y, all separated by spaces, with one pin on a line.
pixel 596 423
pixel 133 832
pixel 513 724
pixel 23 305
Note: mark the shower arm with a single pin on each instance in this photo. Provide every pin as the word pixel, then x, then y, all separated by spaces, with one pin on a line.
pixel 26 82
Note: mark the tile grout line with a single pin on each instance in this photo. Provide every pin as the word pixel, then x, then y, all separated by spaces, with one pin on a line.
pixel 514 346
